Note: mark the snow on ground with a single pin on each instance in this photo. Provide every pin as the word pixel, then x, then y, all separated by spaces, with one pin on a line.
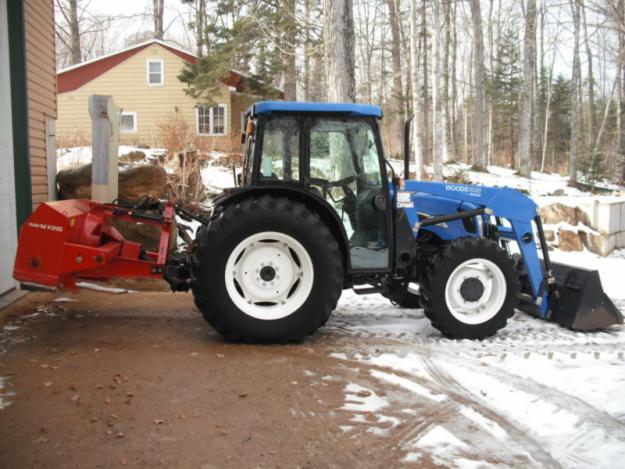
pixel 216 178
pixel 544 188
pixel 533 395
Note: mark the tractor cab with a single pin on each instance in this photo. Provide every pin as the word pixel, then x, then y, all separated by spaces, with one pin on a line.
pixel 330 151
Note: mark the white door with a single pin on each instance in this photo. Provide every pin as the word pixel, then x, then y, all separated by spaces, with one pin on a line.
pixel 8 224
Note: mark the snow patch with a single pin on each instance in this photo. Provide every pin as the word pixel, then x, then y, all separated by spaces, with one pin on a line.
pixel 405 383
pixel 361 399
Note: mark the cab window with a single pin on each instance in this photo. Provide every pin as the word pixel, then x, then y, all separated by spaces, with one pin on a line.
pixel 280 149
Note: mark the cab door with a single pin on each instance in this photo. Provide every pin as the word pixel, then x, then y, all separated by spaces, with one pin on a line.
pixel 345 168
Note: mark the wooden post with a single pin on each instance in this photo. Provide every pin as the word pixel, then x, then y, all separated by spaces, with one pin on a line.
pixel 105 119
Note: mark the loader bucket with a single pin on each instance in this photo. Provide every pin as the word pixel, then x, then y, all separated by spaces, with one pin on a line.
pixel 579 301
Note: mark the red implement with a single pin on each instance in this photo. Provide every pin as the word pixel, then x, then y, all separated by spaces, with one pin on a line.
pixel 71 239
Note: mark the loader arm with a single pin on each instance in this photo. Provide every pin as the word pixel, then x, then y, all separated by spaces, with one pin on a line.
pixel 561 293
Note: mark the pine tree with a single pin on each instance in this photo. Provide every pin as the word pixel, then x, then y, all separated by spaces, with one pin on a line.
pixel 504 87
pixel 252 39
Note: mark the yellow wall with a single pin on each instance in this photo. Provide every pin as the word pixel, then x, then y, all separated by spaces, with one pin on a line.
pixel 154 105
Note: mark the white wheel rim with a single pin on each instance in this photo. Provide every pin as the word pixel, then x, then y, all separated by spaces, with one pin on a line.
pixel 286 280
pixel 492 298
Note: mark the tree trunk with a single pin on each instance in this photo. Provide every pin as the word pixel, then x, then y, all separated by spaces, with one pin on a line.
pixel 414 80
pixel 591 79
pixel 307 51
pixel 290 73
pixel 425 112
pixel 158 18
pixel 74 29
pixel 480 91
pixel 338 38
pixel 621 79
pixel 575 7
pixel 397 95
pixel 200 20
pixel 454 87
pixel 447 149
pixel 437 120
pixel 527 95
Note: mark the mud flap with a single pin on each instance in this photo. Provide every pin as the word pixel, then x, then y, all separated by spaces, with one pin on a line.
pixel 577 300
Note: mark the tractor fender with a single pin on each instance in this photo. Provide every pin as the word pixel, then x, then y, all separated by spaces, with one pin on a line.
pixel 312 201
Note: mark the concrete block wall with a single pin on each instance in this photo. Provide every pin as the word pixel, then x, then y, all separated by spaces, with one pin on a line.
pixel 607 216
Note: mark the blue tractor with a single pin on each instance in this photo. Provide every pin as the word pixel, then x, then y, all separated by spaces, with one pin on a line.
pixel 318 209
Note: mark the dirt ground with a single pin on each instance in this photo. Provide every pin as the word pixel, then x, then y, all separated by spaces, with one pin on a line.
pixel 139 379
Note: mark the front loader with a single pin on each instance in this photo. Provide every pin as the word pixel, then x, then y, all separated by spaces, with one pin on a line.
pixel 318 209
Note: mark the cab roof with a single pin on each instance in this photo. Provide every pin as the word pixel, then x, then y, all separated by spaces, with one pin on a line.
pixel 267 108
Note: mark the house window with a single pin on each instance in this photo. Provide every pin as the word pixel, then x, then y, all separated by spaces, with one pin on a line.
pixel 128 122
pixel 211 120
pixel 155 72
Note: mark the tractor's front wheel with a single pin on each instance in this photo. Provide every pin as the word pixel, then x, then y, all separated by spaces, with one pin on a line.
pixel 470 288
pixel 266 270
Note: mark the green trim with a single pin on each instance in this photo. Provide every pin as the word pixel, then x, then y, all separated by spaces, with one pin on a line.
pixel 19 102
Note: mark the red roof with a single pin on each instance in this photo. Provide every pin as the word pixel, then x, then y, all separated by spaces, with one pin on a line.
pixel 76 76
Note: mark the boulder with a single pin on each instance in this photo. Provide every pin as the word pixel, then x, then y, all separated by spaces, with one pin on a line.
pixel 570 240
pixel 556 213
pixel 134 182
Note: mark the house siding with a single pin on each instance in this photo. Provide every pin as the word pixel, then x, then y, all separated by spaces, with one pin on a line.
pixel 154 105
pixel 41 88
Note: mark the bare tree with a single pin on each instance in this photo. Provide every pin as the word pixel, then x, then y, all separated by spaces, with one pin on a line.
pixel 620 76
pixel 425 101
pixel 158 11
pixel 480 85
pixel 397 94
pixel 437 106
pixel 290 74
pixel 414 80
pixel 575 79
pixel 590 78
pixel 339 49
pixel 69 33
pixel 527 95
pixel 447 133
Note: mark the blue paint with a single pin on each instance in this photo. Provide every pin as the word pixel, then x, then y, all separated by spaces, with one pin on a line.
pixel 267 108
pixel 439 198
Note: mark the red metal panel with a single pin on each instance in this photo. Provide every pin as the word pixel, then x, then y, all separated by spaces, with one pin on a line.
pixel 71 239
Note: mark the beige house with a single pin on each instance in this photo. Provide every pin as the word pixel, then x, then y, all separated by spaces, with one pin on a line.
pixel 143 81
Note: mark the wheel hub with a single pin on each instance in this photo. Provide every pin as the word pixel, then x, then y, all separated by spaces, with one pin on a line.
pixel 475 291
pixel 269 275
pixel 471 289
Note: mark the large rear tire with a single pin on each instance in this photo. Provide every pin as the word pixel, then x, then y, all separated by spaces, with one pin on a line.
pixel 266 270
pixel 470 288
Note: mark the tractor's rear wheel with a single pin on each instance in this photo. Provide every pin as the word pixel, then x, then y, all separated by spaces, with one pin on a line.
pixel 470 288
pixel 266 270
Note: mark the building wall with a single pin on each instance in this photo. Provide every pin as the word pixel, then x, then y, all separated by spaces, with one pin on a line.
pixel 41 88
pixel 8 232
pixel 154 105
